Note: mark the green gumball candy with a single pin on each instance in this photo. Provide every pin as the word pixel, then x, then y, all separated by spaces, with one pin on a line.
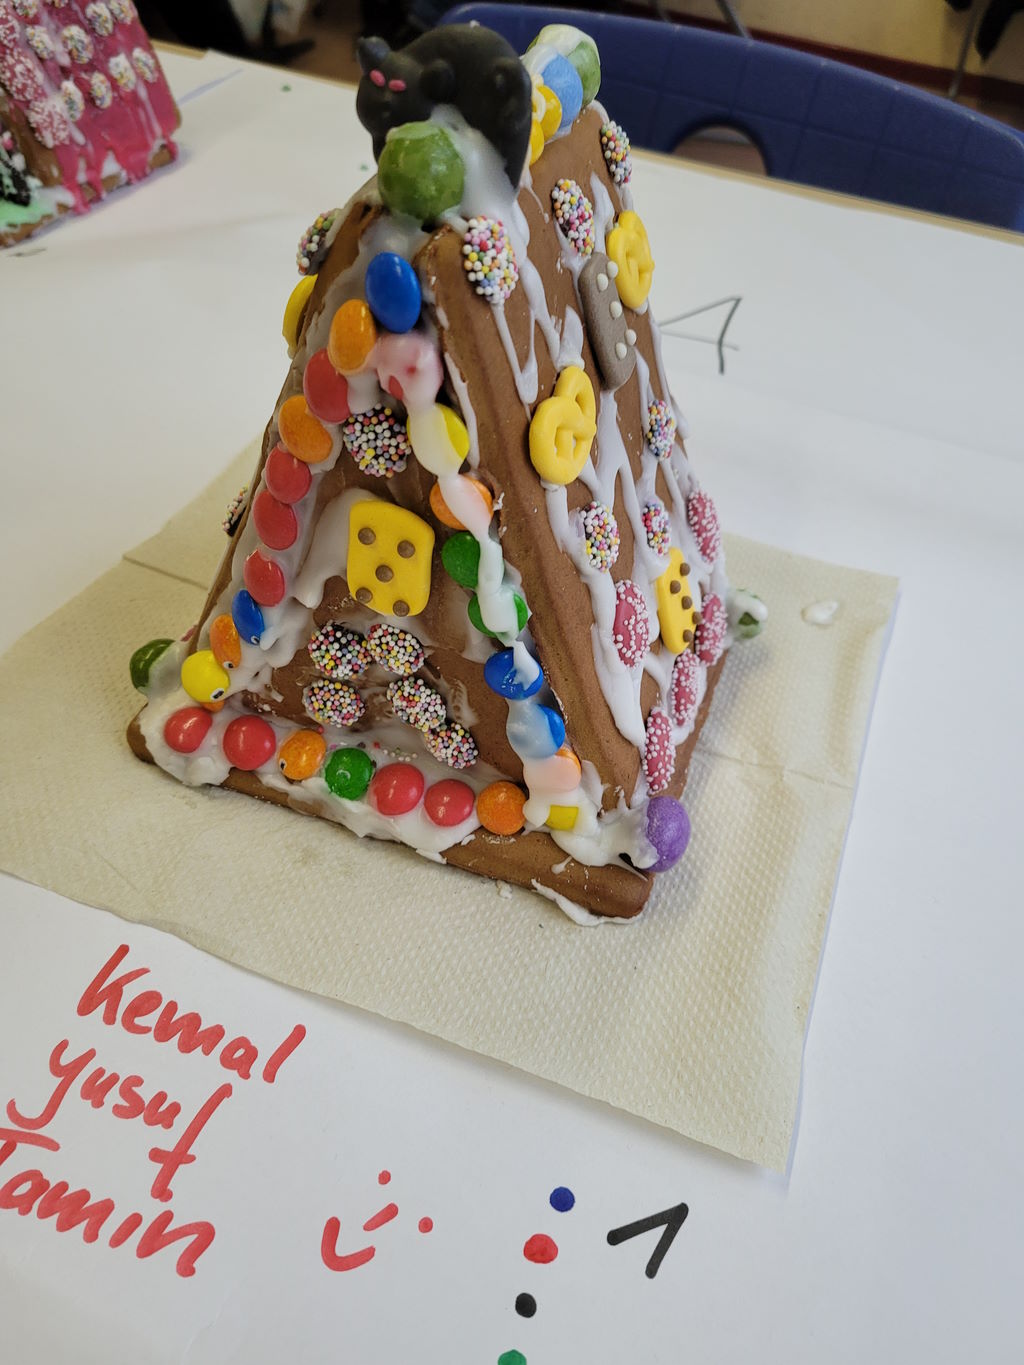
pixel 460 556
pixel 348 773
pixel 142 661
pixel 748 625
pixel 522 614
pixel 419 172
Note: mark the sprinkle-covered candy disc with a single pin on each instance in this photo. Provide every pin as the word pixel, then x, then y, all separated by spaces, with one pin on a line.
pixel 659 751
pixel 703 522
pixel 710 639
pixel 339 652
pixel 78 43
pixel 489 260
pixel 615 145
pixel 377 441
pixel 683 690
pixel 333 703
pixel 452 743
pixel 661 429
pixel 632 629
pixel 395 649
pixel 574 214
pixel 600 536
pixel 234 510
pixel 417 703
pixel 657 526
pixel 313 243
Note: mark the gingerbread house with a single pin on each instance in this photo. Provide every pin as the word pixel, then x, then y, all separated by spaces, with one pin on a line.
pixel 84 108
pixel 475 599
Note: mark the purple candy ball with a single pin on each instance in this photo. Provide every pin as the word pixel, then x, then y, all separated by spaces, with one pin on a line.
pixel 668 831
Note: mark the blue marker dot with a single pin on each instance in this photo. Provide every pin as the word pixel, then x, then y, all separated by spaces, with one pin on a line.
pixel 562 1199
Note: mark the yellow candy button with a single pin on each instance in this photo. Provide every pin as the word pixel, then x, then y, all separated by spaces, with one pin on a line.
pixel 628 247
pixel 302 434
pixel 562 817
pixel 293 309
pixel 203 678
pixel 552 115
pixel 439 439
pixel 389 558
pixel 563 428
pixel 675 604
pixel 536 141
pixel 352 337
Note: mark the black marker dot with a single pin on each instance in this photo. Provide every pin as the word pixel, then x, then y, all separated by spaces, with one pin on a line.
pixel 526 1305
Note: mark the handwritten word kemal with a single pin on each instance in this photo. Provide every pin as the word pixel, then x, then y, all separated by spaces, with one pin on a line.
pixel 31 1191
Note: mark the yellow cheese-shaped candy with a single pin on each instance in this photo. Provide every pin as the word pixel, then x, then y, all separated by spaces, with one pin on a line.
pixel 628 247
pixel 563 428
pixel 675 604
pixel 297 301
pixel 389 558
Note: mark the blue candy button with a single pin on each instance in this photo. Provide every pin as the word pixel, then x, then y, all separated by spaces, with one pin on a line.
pixel 393 291
pixel 247 617
pixel 501 677
pixel 534 731
pixel 562 77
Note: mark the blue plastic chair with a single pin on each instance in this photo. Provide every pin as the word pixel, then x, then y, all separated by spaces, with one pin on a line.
pixel 814 121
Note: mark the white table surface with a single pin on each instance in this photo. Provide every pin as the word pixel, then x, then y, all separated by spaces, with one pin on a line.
pixel 870 415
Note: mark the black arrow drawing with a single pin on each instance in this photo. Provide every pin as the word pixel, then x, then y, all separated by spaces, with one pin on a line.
pixel 670 1219
pixel 670 326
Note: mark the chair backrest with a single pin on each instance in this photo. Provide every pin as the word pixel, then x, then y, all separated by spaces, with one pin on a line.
pixel 814 121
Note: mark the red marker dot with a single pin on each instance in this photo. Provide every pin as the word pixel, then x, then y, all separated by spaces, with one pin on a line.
pixel 384 1177
pixel 540 1249
pixel 425 1224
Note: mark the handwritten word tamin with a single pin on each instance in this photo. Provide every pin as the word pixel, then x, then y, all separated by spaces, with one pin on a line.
pixel 352 1260
pixel 142 1012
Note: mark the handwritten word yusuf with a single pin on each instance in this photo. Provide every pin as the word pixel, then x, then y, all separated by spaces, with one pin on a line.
pixel 30 1190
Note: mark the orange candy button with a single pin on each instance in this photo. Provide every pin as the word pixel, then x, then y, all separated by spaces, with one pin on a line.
pixel 444 513
pixel 301 754
pixel 302 434
pixel 499 808
pixel 352 337
pixel 224 641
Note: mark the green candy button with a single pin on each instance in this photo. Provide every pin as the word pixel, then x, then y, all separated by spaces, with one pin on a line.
pixel 348 773
pixel 522 614
pixel 143 660
pixel 460 556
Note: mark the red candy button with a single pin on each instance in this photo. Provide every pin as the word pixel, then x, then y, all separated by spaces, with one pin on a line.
pixel 287 478
pixel 186 729
pixel 396 788
pixel 264 578
pixel 449 802
pixel 249 742
pixel 326 390
pixel 275 521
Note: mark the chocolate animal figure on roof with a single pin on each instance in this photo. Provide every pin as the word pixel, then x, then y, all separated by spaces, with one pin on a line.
pixel 463 65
